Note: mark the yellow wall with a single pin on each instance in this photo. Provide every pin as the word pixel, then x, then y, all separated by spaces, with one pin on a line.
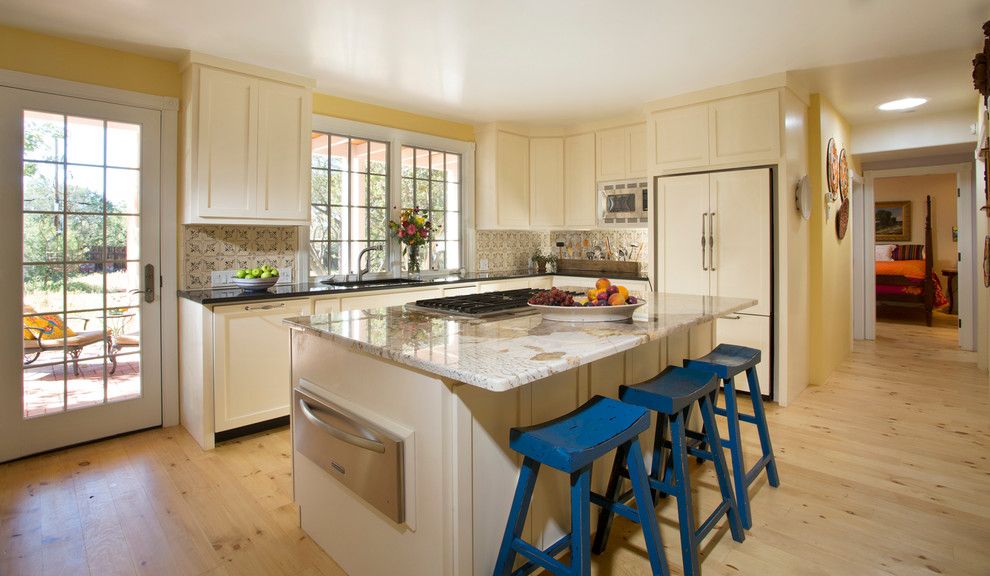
pixel 359 111
pixel 830 258
pixel 35 53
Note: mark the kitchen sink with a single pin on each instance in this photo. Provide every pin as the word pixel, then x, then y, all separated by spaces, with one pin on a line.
pixel 371 282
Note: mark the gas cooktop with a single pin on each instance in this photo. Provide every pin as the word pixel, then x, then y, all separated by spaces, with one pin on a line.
pixel 478 305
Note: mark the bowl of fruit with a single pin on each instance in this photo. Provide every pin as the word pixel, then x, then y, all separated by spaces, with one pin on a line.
pixel 606 302
pixel 256 279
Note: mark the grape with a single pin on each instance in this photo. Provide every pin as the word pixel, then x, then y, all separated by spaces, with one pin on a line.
pixel 553 297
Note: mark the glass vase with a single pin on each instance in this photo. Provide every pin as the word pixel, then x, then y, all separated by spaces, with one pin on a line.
pixel 413 267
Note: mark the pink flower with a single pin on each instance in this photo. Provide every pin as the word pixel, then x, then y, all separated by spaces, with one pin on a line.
pixel 410 229
pixel 402 233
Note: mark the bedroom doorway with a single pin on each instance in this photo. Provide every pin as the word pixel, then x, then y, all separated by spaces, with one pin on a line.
pixel 905 272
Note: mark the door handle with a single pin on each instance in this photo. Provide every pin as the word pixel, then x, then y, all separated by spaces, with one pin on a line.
pixel 266 306
pixel 704 263
pixel 351 439
pixel 711 241
pixel 149 284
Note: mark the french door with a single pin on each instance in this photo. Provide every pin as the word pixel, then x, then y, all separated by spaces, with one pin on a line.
pixel 80 341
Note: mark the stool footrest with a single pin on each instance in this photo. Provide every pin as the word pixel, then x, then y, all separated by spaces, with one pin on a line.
pixel 541 559
pixel 748 418
pixel 710 522
pixel 755 471
pixel 665 487
pixel 618 506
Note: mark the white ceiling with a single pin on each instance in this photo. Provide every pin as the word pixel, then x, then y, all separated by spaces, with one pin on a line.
pixel 527 60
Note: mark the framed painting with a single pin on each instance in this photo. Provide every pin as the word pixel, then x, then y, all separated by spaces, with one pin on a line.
pixel 892 221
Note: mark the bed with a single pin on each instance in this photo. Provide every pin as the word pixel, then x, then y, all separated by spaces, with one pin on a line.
pixel 909 279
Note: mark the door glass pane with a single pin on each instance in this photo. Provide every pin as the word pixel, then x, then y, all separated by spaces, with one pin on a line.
pixel 81 231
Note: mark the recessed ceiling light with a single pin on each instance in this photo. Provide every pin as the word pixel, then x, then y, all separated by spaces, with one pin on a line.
pixel 902 104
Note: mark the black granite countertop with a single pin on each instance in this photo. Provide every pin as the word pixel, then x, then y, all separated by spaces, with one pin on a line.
pixel 230 295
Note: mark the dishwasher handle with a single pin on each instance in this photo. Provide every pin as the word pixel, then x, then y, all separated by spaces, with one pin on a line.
pixel 352 439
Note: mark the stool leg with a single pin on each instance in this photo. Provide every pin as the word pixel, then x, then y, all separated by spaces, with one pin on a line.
pixel 647 516
pixel 517 516
pixel 721 470
pixel 657 466
pixel 611 493
pixel 581 522
pixel 685 507
pixel 736 453
pixel 761 426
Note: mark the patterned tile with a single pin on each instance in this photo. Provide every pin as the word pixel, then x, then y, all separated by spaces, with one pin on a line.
pixel 210 248
pixel 512 250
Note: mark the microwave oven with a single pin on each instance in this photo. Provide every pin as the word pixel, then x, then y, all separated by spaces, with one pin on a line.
pixel 624 204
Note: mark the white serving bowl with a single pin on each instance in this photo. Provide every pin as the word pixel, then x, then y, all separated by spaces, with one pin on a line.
pixel 255 284
pixel 588 313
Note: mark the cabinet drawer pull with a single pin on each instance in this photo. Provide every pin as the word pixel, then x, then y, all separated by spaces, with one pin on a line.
pixel 352 439
pixel 704 241
pixel 732 317
pixel 266 306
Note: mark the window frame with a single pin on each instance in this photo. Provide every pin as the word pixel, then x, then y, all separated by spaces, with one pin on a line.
pixel 396 139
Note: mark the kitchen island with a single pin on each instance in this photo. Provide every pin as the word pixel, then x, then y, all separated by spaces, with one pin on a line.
pixel 446 390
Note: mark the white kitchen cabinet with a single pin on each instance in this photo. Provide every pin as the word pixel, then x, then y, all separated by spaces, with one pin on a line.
pixel 682 233
pixel 510 284
pixel 460 290
pixel 384 299
pixel 621 153
pixel 580 201
pixel 251 361
pixel 541 282
pixel 753 332
pixel 246 148
pixel 731 132
pixel 561 281
pixel 546 182
pixel 680 138
pixel 326 305
pixel 502 177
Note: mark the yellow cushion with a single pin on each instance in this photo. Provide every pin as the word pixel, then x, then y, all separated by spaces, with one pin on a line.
pixel 52 326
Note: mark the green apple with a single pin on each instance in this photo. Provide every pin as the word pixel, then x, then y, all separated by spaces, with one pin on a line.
pixel 266 275
pixel 256 272
pixel 274 272
pixel 239 274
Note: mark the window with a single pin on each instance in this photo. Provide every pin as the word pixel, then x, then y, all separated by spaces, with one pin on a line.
pixel 364 175
pixel 431 181
pixel 350 200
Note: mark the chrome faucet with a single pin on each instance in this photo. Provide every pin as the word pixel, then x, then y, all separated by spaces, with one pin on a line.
pixel 365 270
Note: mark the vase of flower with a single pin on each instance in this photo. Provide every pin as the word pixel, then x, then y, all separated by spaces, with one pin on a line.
pixel 414 229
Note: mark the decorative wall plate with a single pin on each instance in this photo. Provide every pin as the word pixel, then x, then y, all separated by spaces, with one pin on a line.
pixel 843 175
pixel 842 220
pixel 832 169
pixel 802 197
pixel 986 262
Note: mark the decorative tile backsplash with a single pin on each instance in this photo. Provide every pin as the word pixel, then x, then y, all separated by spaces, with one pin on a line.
pixel 512 250
pixel 209 248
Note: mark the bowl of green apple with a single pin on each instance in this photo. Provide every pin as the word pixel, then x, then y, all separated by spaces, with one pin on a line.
pixel 256 279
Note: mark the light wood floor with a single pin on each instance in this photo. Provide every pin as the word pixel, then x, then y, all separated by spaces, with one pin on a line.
pixel 884 470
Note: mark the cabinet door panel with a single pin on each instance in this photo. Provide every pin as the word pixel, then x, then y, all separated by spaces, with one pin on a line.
pixel 742 265
pixel 580 201
pixel 753 332
pixel 500 285
pixel 683 205
pixel 326 306
pixel 611 158
pixel 745 129
pixel 546 182
pixel 680 138
pixel 252 362
pixel 513 180
pixel 636 151
pixel 460 290
pixel 227 164
pixel 388 299
pixel 283 151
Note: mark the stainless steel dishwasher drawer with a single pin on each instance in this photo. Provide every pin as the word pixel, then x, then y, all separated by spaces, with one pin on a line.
pixel 362 456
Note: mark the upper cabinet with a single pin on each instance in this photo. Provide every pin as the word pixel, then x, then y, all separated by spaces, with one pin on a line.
pixel 731 132
pixel 546 182
pixel 580 192
pixel 246 147
pixel 621 153
pixel 502 175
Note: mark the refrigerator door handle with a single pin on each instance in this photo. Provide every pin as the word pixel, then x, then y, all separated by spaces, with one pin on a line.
pixel 704 240
pixel 711 241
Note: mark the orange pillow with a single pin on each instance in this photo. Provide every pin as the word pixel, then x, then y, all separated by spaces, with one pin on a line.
pixel 51 325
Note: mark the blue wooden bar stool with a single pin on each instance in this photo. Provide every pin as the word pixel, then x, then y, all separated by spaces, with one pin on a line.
pixel 726 361
pixel 571 444
pixel 671 395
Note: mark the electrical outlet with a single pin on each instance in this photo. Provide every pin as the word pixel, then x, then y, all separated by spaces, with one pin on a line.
pixel 219 278
pixel 483 264
pixel 284 276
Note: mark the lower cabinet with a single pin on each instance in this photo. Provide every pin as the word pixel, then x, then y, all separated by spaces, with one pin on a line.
pixel 252 362
pixel 326 305
pixel 385 299
pixel 587 282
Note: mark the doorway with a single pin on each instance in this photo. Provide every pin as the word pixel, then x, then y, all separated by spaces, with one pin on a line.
pixel 83 180
pixel 899 260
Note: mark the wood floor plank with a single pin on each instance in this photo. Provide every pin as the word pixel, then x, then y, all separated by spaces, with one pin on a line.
pixel 884 471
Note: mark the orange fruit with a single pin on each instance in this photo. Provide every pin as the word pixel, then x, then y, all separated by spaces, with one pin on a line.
pixel 624 291
pixel 592 293
pixel 616 299
pixel 602 283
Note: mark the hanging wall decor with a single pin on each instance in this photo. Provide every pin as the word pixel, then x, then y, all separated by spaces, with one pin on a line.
pixel 981 81
pixel 832 169
pixel 843 176
pixel 842 220
pixel 986 262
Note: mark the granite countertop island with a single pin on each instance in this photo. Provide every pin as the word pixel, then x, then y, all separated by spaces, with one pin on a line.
pixel 506 352
pixel 449 389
